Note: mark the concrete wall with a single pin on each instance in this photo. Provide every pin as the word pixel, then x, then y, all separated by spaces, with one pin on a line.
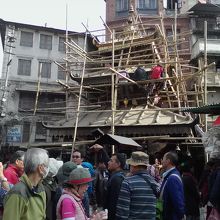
pixel 35 54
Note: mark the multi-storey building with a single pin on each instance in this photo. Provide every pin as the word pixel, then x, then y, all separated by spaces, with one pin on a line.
pixel 29 70
pixel 117 14
pixel 209 12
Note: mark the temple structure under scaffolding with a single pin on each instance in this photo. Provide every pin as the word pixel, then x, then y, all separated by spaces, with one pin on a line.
pixel 133 84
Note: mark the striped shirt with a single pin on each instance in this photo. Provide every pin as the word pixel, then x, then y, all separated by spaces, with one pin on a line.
pixel 137 198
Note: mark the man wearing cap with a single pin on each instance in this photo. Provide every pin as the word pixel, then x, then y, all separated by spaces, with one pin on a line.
pixel 137 198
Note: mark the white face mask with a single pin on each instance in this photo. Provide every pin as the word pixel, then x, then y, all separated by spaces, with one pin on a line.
pixel 45 172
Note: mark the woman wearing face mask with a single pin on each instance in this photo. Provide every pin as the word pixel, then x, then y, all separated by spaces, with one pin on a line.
pixel 69 206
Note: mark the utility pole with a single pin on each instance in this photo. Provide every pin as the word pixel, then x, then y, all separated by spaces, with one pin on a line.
pixel 9 42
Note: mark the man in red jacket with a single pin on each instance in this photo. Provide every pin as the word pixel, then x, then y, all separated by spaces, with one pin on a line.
pixel 16 167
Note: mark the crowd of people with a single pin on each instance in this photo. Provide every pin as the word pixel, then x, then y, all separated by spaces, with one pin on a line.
pixel 34 186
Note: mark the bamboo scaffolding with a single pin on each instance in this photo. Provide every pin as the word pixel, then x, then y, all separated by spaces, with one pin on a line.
pixel 128 49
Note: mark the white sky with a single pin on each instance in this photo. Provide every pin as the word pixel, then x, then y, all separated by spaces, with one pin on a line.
pixel 53 12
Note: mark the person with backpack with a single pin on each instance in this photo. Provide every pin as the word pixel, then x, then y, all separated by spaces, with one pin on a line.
pixel 137 197
pixel 171 191
pixel 115 167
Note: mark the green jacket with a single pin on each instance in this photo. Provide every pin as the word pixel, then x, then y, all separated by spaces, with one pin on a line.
pixel 24 202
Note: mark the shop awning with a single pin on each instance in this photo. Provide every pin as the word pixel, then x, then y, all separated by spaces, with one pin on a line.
pixel 118 141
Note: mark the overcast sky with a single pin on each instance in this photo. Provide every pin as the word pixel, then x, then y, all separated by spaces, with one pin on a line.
pixel 53 13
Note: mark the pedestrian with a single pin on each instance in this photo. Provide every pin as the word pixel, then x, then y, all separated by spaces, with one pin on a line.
pixel 70 203
pixel 77 158
pixel 137 197
pixel 172 189
pixel 4 188
pixel 214 188
pixel 100 184
pixel 15 168
pixel 191 192
pixel 27 199
pixel 115 167
pixel 50 186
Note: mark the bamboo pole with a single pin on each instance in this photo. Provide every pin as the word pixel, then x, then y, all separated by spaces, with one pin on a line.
pixel 205 71
pixel 175 49
pixel 66 63
pixel 36 102
pixel 79 99
pixel 113 89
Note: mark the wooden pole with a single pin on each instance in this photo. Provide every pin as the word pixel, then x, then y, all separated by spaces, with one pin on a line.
pixel 36 102
pixel 113 89
pixel 205 70
pixel 79 98
pixel 66 63
pixel 175 49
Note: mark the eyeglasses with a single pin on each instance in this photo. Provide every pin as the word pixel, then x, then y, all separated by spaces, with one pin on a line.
pixel 75 156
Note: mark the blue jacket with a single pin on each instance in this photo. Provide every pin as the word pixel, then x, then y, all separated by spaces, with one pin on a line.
pixel 173 196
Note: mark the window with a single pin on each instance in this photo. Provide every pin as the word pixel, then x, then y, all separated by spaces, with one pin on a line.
pixel 26 101
pixel 45 41
pixel 26 39
pixel 62 46
pixel 24 67
pixel 147 4
pixel 41 132
pixel 45 69
pixel 170 4
pixel 26 132
pixel 61 73
pixel 121 5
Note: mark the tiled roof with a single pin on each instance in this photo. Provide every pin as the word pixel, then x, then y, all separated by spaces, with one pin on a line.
pixel 138 116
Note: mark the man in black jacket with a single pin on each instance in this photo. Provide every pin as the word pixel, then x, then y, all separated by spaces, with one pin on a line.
pixel 115 167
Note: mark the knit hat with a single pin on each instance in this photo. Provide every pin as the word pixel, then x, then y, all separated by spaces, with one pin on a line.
pixel 138 158
pixel 79 176
pixel 65 170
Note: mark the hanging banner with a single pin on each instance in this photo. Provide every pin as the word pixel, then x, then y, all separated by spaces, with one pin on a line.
pixel 14 134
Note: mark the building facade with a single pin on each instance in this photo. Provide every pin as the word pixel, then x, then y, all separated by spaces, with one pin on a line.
pixel 30 70
pixel 210 13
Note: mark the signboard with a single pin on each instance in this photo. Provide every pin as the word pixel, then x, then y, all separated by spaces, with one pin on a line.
pixel 14 134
